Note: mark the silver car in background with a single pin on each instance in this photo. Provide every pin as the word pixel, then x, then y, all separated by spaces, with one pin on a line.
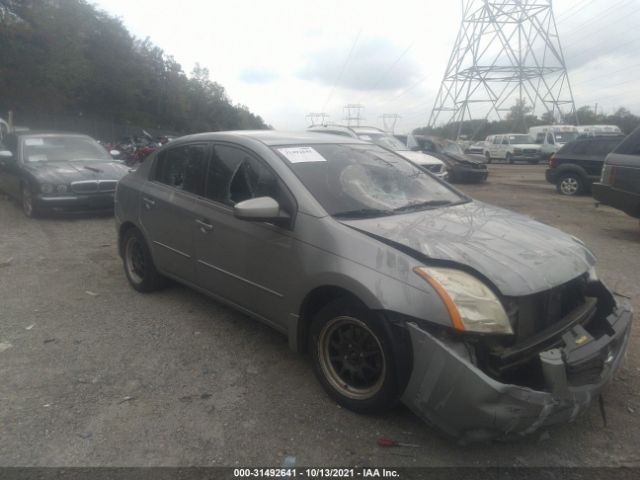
pixel 484 322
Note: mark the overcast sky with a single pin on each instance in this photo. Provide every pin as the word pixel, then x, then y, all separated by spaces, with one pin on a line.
pixel 286 58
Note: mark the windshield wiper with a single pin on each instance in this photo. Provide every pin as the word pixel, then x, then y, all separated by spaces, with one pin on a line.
pixel 417 205
pixel 364 212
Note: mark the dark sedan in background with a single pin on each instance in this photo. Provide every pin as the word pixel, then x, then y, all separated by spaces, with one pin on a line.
pixel 462 168
pixel 50 172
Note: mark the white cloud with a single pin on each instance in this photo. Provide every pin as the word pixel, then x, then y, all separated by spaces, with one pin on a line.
pixel 281 58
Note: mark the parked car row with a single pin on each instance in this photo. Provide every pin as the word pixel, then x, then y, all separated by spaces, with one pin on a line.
pixel 484 322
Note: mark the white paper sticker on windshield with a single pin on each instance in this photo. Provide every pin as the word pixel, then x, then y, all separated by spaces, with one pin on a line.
pixel 33 142
pixel 301 154
pixel 37 158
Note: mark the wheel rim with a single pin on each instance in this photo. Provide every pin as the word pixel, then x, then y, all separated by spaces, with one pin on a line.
pixel 134 260
pixel 569 185
pixel 351 358
pixel 27 202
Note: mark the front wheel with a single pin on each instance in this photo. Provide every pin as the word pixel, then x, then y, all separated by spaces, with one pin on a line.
pixel 488 157
pixel 27 200
pixel 352 357
pixel 138 264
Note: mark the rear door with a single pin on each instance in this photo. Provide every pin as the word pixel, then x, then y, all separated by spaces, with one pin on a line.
pixel 251 264
pixel 168 202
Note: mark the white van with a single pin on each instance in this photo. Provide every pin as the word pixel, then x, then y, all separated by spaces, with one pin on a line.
pixel 593 130
pixel 552 137
pixel 511 147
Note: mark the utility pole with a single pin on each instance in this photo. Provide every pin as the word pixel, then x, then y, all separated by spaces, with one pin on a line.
pixel 353 114
pixel 389 121
pixel 507 52
pixel 317 118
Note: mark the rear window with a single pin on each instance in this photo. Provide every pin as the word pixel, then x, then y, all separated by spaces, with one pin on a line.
pixel 631 144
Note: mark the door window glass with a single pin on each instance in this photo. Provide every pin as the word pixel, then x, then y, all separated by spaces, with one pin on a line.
pixel 630 145
pixel 183 168
pixel 235 175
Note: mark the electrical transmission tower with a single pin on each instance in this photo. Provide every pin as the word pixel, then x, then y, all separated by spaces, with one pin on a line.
pixel 352 114
pixel 507 57
pixel 317 118
pixel 389 121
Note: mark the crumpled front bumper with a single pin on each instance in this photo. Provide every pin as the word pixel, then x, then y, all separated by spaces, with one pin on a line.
pixel 448 391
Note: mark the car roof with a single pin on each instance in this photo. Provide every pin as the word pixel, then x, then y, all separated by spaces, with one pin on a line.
pixel 273 137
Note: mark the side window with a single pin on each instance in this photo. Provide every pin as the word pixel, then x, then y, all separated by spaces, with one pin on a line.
pixel 497 140
pixel 183 168
pixel 505 140
pixel 540 138
pixel 550 139
pixel 630 145
pixel 235 175
pixel 582 148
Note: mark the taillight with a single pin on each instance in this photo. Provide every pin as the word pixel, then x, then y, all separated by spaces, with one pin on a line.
pixel 612 174
pixel 552 160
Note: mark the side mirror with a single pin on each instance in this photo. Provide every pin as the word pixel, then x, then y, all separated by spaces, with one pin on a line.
pixel 261 209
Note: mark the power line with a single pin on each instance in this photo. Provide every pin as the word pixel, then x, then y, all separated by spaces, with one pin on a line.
pixel 344 64
pixel 630 67
pixel 597 19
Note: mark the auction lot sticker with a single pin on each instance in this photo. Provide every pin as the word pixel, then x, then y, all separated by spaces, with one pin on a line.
pixel 301 154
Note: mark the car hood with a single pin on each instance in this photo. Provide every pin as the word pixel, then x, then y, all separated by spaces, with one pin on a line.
pixel 420 158
pixel 67 172
pixel 465 160
pixel 517 254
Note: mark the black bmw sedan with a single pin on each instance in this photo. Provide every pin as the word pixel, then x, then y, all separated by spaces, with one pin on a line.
pixel 51 172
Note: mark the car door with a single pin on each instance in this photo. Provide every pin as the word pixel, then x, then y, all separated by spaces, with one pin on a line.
pixel 248 263
pixel 169 197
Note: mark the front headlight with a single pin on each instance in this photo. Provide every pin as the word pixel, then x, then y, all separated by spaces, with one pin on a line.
pixel 472 305
pixel 46 188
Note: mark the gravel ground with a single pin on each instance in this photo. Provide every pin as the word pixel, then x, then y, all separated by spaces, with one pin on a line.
pixel 93 373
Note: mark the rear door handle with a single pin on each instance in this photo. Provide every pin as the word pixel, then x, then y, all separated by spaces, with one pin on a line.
pixel 204 226
pixel 148 202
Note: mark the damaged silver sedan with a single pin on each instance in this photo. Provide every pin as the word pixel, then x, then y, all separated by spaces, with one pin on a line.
pixel 484 322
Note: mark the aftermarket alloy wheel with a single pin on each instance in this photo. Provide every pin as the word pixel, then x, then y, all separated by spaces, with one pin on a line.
pixel 138 264
pixel 570 184
pixel 353 358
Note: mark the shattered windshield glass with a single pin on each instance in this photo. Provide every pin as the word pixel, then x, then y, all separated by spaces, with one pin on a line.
pixel 365 180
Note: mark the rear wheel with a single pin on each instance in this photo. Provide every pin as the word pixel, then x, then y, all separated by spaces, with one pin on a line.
pixel 352 357
pixel 570 184
pixel 138 264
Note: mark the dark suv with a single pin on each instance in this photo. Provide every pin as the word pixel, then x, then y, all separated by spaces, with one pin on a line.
pixel 578 164
pixel 619 185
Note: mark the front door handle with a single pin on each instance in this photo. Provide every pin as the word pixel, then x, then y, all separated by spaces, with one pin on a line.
pixel 148 202
pixel 204 226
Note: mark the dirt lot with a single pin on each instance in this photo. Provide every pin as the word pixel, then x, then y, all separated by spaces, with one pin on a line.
pixel 93 373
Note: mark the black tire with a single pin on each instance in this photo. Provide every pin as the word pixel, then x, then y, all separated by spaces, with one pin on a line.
pixel 346 341
pixel 138 264
pixel 29 207
pixel 509 158
pixel 570 184
pixel 488 157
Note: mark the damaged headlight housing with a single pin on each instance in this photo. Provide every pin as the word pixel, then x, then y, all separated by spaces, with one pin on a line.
pixel 472 306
